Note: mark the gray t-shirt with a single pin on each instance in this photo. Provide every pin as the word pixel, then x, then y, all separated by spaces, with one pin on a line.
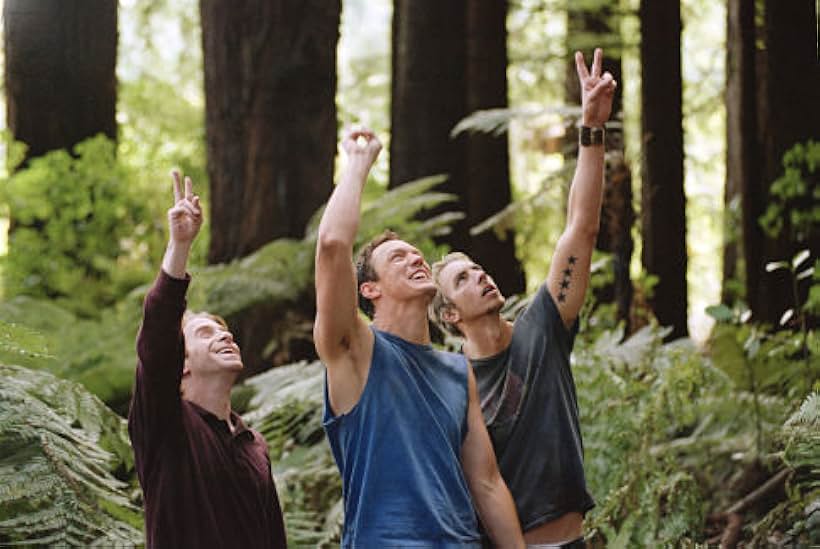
pixel 531 411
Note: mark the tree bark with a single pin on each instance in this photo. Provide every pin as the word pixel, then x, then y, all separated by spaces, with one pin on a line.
pixel 788 76
pixel 487 166
pixel 61 86
pixel 270 89
pixel 663 215
pixel 742 174
pixel 433 42
pixel 270 85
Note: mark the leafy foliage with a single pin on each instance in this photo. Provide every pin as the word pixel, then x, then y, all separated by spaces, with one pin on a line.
pixel 59 449
pixel 287 410
pixel 794 204
pixel 77 226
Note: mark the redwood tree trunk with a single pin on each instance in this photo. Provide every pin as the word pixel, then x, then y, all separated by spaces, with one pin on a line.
pixel 742 172
pixel 663 214
pixel 270 86
pixel 449 59
pixel 487 164
pixel 428 98
pixel 61 87
pixel 788 112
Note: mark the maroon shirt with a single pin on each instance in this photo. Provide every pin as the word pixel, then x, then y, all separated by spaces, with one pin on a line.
pixel 203 486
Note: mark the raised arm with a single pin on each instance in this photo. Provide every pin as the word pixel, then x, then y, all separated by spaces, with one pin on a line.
pixel 160 345
pixel 490 493
pixel 339 334
pixel 569 271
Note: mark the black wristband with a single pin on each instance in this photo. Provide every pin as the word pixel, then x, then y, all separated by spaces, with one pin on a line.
pixel 591 136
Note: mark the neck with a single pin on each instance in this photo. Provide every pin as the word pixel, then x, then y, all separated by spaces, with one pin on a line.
pixel 406 319
pixel 212 394
pixel 486 336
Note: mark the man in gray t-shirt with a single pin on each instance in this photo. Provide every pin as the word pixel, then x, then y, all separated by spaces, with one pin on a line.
pixel 522 369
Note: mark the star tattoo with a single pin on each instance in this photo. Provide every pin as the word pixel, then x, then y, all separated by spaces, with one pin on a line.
pixel 562 297
pixel 565 284
pixel 572 260
pixel 567 272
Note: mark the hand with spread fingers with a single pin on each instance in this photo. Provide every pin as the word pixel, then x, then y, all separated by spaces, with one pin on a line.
pixel 185 216
pixel 597 90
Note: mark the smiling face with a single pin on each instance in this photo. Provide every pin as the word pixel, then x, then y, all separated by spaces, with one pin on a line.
pixel 209 347
pixel 401 273
pixel 467 292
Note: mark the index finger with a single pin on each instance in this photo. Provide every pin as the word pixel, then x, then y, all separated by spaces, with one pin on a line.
pixel 177 186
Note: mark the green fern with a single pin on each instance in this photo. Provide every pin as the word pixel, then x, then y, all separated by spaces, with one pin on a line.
pixel 59 446
pixel 287 410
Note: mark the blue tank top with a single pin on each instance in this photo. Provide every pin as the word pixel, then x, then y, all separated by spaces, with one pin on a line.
pixel 399 450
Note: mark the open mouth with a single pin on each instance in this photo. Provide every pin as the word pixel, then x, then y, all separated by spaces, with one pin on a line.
pixel 488 290
pixel 227 351
pixel 420 275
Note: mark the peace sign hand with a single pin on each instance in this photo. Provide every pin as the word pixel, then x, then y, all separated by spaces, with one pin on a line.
pixel 597 90
pixel 185 216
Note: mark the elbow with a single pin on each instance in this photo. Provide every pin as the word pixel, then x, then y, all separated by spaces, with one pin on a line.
pixel 328 243
pixel 586 229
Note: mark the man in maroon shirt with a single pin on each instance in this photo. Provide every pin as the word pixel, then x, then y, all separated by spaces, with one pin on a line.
pixel 205 476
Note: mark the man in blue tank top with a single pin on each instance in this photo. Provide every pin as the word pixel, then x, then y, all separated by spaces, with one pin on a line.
pixel 403 420
pixel 523 371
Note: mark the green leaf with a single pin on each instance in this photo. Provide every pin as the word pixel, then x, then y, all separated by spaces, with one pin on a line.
pixel 787 315
pixel 805 274
pixel 776 266
pixel 799 258
pixel 721 313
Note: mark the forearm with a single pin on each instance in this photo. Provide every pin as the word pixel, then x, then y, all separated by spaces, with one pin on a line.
pixel 175 260
pixel 340 221
pixel 586 192
pixel 497 511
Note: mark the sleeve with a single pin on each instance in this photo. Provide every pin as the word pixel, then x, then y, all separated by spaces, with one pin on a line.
pixel 156 404
pixel 542 317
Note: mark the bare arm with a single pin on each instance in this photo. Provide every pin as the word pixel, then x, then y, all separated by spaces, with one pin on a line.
pixel 569 271
pixel 340 335
pixel 492 498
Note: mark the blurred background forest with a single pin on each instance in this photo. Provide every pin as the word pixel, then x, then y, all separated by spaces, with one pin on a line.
pixel 697 365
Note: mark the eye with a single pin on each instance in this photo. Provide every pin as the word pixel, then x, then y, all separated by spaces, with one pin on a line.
pixel 205 331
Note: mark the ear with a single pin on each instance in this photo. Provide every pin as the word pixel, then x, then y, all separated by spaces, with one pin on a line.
pixel 186 367
pixel 450 315
pixel 370 290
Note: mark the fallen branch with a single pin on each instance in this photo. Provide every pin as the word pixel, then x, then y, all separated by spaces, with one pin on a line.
pixel 734 515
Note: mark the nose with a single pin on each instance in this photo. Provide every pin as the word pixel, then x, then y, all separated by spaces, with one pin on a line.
pixel 482 277
pixel 226 336
pixel 416 259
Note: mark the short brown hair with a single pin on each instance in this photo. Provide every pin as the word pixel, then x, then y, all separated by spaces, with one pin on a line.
pixel 365 271
pixel 189 315
pixel 440 302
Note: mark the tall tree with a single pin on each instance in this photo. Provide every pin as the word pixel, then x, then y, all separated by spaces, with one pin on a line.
pixel 742 175
pixel 788 112
pixel 433 43
pixel 61 85
pixel 486 164
pixel 587 28
pixel 270 88
pixel 663 202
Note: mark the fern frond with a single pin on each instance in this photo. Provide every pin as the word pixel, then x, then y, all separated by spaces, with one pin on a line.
pixel 58 448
